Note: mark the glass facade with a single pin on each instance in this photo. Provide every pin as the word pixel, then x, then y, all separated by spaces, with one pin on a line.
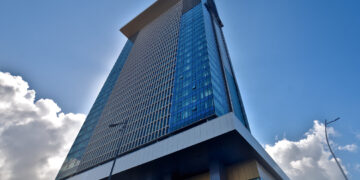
pixel 221 99
pixel 175 72
pixel 199 88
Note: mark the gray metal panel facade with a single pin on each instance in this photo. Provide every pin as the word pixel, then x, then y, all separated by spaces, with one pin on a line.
pixel 141 98
pixel 78 148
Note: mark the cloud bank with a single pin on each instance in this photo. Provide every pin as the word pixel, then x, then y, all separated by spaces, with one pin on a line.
pixel 308 158
pixel 35 135
pixel 349 147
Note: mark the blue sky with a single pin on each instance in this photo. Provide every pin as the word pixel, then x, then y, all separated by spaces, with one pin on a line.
pixel 295 61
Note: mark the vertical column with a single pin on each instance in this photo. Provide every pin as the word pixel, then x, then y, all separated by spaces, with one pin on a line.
pixel 216 171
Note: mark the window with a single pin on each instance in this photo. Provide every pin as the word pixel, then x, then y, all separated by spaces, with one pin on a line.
pixel 194 108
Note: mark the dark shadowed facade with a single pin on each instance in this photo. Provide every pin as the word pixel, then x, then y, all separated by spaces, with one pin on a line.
pixel 170 108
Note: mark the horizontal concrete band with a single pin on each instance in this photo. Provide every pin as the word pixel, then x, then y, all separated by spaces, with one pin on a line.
pixel 198 134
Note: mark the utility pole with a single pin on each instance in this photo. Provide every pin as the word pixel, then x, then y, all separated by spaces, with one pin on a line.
pixel 333 154
pixel 119 146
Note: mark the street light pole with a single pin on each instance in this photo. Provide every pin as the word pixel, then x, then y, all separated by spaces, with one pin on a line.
pixel 333 154
pixel 118 148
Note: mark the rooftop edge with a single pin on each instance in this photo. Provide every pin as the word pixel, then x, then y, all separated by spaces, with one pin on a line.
pixel 147 16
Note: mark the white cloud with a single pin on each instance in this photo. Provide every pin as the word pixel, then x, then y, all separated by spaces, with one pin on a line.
pixel 358 136
pixel 349 147
pixel 35 136
pixel 307 158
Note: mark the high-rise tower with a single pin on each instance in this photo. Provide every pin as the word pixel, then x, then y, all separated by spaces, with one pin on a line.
pixel 170 108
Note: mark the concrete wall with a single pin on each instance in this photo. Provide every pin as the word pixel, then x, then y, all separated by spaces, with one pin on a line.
pixel 243 171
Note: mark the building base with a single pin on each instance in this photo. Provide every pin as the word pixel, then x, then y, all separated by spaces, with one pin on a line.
pixel 219 149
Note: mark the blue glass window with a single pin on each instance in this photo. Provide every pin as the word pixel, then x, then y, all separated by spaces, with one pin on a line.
pixel 199 88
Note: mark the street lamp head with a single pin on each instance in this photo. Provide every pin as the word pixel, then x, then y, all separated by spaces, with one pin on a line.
pixel 327 123
pixel 116 124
